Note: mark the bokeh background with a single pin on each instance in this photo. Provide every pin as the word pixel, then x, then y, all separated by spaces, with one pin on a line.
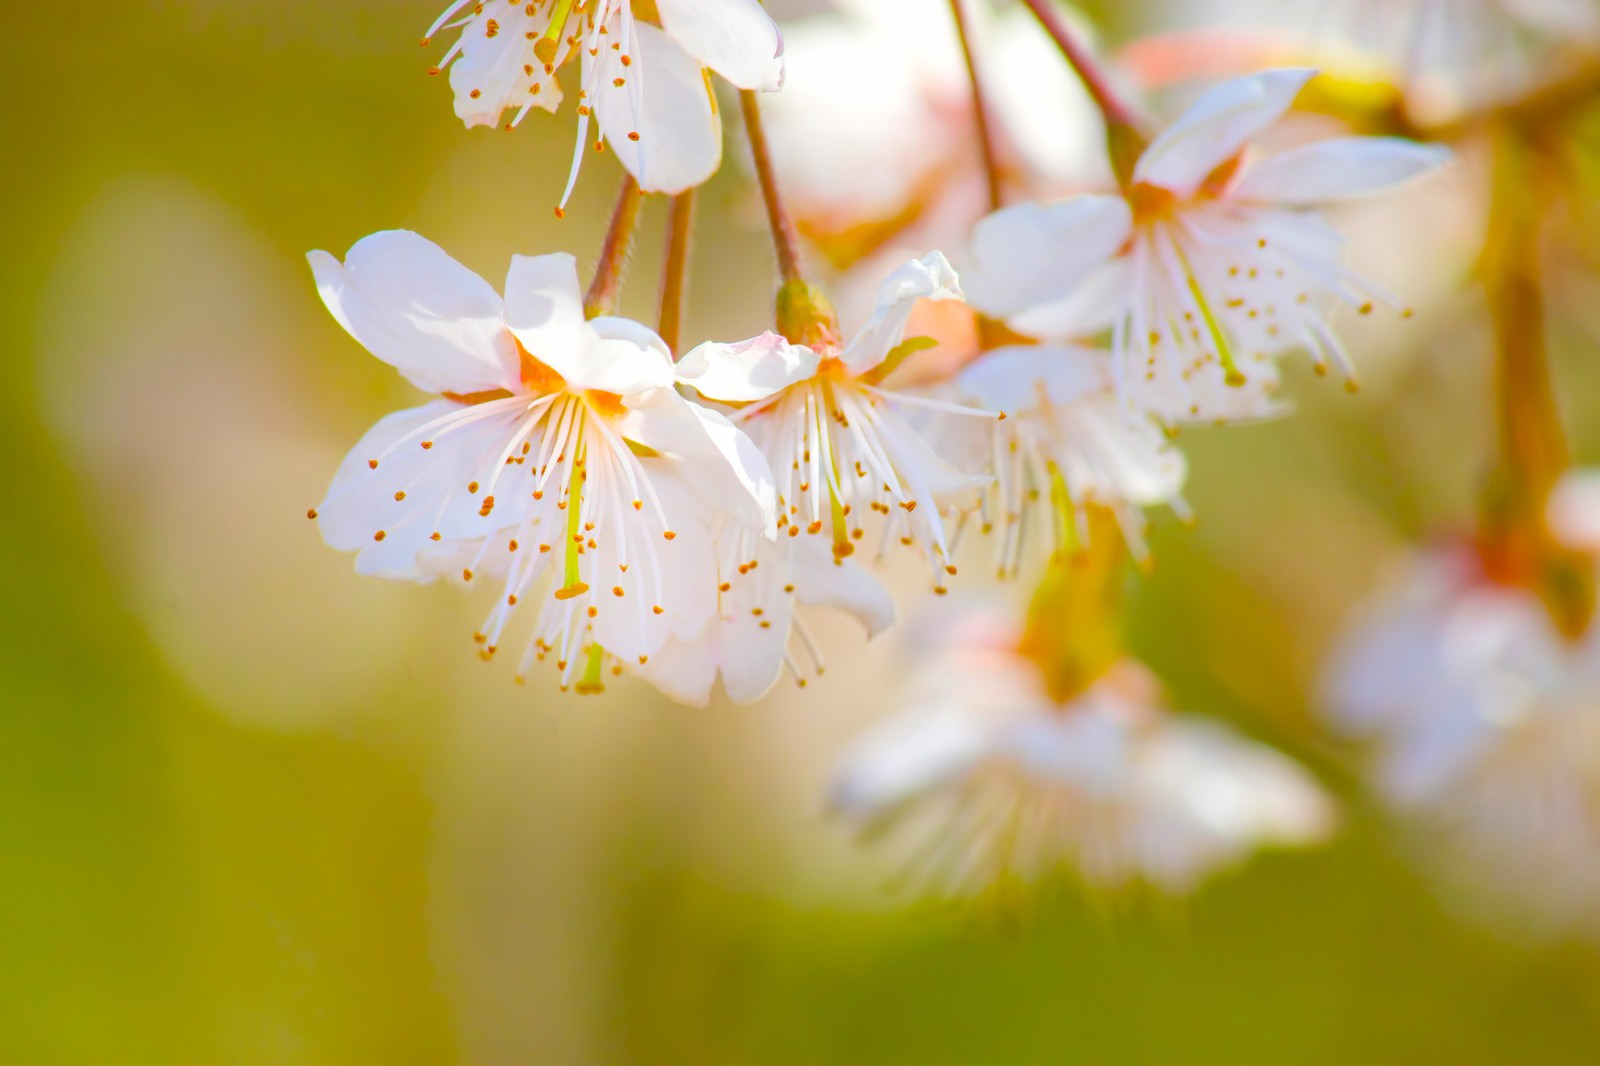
pixel 254 809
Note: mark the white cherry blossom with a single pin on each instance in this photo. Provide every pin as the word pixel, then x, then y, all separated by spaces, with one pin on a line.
pixel 1206 265
pixel 991 779
pixel 839 446
pixel 558 462
pixel 643 82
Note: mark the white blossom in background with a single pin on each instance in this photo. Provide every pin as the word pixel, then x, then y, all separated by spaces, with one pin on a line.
pixel 873 136
pixel 558 463
pixel 1066 443
pixel 839 446
pixel 990 779
pixel 1483 724
pixel 1449 55
pixel 645 84
pixel 1208 265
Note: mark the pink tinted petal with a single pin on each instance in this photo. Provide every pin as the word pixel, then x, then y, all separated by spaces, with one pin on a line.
pixel 746 371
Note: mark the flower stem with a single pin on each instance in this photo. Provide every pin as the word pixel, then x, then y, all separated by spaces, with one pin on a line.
pixel 982 118
pixel 674 275
pixel 785 239
pixel 1533 447
pixel 991 332
pixel 1116 112
pixel 601 299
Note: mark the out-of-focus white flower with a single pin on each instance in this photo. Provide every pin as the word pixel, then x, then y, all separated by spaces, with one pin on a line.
pixel 1207 266
pixel 1484 722
pixel 645 84
pixel 558 448
pixel 1004 782
pixel 874 138
pixel 1448 55
pixel 837 443
pixel 1065 444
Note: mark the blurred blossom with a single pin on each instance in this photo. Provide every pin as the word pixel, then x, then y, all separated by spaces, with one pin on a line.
pixel 1484 722
pixel 874 135
pixel 993 780
pixel 1446 55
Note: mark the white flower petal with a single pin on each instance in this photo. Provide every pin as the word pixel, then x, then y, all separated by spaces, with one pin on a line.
pixel 1011 379
pixel 420 311
pixel 923 473
pixel 413 492
pixel 1032 254
pixel 685 670
pixel 544 309
pixel 928 278
pixel 623 357
pixel 844 585
pixel 747 370
pixel 662 120
pixel 735 38
pixel 1094 305
pixel 1574 510
pixel 496 72
pixel 906 756
pixel 728 472
pixel 678 574
pixel 743 639
pixel 1338 169
pixel 1216 127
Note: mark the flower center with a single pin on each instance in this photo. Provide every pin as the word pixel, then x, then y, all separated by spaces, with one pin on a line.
pixel 1151 202
pixel 536 376
pixel 606 404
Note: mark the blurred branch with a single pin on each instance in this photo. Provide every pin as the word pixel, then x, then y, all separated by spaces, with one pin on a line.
pixel 1085 65
pixel 980 106
pixel 1533 449
pixel 1552 100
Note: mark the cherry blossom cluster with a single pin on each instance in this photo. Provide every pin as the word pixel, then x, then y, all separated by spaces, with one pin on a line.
pixel 678 515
